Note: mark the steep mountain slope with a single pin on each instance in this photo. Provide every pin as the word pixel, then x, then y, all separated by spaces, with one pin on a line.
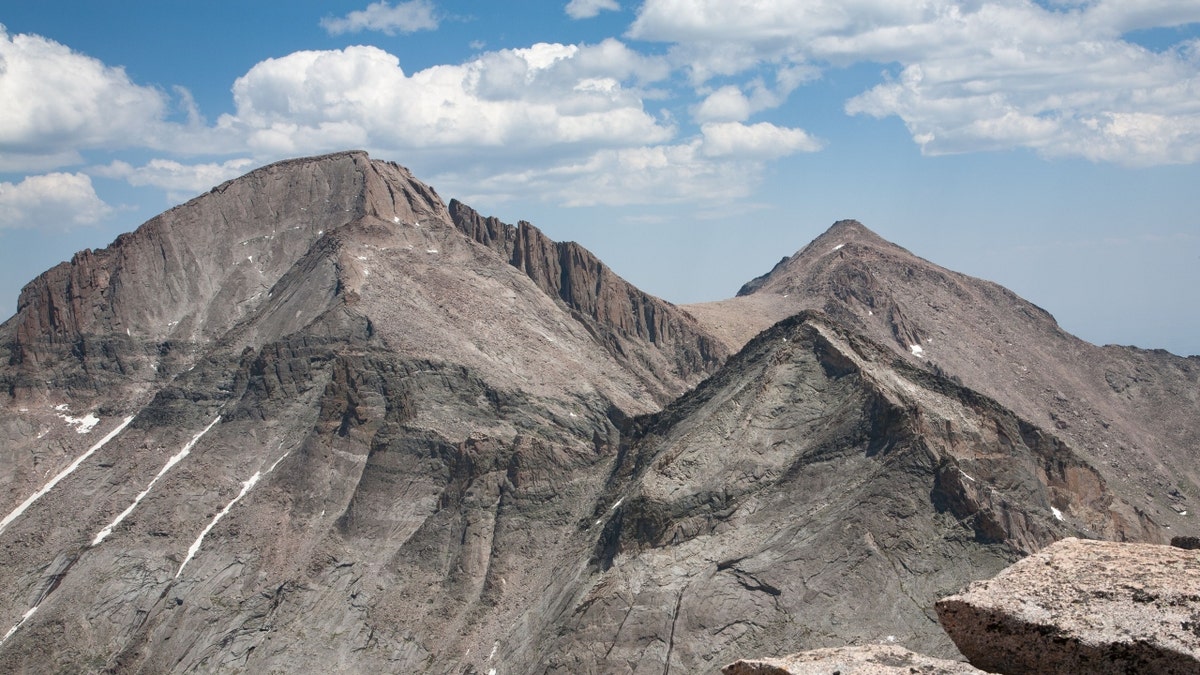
pixel 320 343
pixel 318 420
pixel 815 492
pixel 1130 412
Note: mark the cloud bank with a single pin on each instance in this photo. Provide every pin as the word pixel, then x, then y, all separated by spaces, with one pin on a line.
pixel 688 106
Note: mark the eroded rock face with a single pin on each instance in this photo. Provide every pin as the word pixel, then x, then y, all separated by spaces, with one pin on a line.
pixel 619 313
pixel 1083 607
pixel 865 660
pixel 316 420
pixel 1130 413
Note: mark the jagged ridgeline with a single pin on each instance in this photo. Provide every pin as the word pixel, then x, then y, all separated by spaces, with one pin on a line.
pixel 319 420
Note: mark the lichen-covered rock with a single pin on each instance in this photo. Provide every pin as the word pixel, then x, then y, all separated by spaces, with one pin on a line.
pixel 1083 607
pixel 865 660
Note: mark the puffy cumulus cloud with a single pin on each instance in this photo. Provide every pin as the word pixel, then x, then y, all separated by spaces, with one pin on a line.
pixel 586 9
pixel 1005 77
pixel 51 201
pixel 726 103
pixel 55 102
pixel 180 181
pixel 404 17
pixel 755 141
pixel 1056 78
pixel 723 163
pixel 731 103
pixel 517 99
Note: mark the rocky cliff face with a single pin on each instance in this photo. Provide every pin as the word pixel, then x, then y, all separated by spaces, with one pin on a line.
pixel 1129 413
pixel 319 420
pixel 615 311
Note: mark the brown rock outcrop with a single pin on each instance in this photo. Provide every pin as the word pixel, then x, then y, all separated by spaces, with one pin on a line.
pixel 865 660
pixel 1083 607
pixel 615 310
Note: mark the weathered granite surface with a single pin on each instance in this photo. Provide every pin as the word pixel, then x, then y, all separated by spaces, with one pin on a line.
pixel 1083 607
pixel 864 660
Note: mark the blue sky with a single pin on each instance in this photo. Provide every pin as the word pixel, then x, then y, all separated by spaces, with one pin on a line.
pixel 1050 146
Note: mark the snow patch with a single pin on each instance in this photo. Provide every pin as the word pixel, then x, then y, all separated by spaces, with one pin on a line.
pixel 361 257
pixel 16 513
pixel 917 350
pixel 838 247
pixel 23 619
pixel 616 504
pixel 1056 512
pixel 246 487
pixel 395 219
pixel 175 459
pixel 964 475
pixel 82 424
pixel 431 250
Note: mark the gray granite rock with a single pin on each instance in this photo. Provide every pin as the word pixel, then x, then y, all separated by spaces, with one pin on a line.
pixel 1083 607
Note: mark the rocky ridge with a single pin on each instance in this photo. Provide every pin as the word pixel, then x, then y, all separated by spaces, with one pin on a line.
pixel 1128 411
pixel 358 428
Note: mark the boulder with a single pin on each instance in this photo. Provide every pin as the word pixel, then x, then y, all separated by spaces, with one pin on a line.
pixel 1083 607
pixel 864 660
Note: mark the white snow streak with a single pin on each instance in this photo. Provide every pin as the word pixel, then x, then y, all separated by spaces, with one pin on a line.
pixel 175 459
pixel 964 475
pixel 62 474
pixel 246 487
pixel 916 350
pixel 1056 512
pixel 838 247
pixel 20 621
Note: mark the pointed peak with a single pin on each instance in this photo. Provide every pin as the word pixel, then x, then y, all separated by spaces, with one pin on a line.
pixel 850 230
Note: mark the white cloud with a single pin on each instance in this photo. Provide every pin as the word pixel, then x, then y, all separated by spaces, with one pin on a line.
pixel 404 17
pixel 725 104
pixel 730 103
pixel 180 181
pixel 586 9
pixel 1006 77
pixel 659 174
pixel 972 76
pixel 755 141
pixel 723 164
pixel 518 99
pixel 55 102
pixel 51 201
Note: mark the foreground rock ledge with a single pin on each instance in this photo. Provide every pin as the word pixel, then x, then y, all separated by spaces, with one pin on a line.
pixel 866 660
pixel 1083 607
